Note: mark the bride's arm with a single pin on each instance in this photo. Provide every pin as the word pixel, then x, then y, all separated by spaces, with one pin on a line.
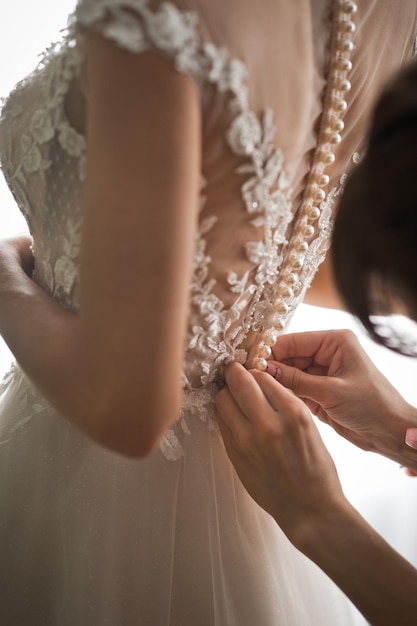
pixel 114 369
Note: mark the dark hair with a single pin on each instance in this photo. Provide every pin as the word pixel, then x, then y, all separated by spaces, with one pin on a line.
pixel 375 236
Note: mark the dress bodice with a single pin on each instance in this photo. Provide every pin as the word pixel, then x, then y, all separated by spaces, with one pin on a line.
pixel 265 99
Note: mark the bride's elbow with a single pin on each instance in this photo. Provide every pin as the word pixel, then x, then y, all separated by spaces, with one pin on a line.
pixel 133 443
pixel 132 428
pixel 132 435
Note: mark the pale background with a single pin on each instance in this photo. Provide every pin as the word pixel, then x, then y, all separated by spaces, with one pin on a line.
pixel 378 488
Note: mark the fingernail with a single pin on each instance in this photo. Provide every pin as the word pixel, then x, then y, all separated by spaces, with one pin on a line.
pixel 411 437
pixel 273 370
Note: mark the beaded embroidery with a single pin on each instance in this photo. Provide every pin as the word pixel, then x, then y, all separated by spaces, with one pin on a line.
pixel 310 241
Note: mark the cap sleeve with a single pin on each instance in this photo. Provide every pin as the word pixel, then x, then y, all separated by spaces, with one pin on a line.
pixel 135 26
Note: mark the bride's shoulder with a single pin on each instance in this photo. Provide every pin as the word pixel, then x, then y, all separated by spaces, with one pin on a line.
pixel 161 16
pixel 140 24
pixel 165 10
pixel 180 29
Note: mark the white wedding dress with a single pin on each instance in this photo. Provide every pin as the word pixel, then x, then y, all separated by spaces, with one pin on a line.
pixel 88 537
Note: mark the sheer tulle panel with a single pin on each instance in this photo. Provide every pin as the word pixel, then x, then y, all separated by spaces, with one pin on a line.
pixel 112 541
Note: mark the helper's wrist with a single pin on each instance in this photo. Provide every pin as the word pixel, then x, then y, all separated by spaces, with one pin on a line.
pixel 312 531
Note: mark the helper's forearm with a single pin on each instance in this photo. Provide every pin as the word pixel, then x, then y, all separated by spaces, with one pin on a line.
pixel 391 421
pixel 377 579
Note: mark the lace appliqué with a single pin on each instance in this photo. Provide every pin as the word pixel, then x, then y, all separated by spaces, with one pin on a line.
pixel 167 29
pixel 57 68
pixel 26 401
pixel 321 244
pixel 171 447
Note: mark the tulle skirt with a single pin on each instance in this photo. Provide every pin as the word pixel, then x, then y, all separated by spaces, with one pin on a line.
pixel 90 538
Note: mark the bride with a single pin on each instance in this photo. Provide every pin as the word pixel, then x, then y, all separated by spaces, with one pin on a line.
pixel 178 164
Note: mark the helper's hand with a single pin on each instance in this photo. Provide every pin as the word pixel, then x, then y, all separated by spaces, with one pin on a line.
pixel 340 384
pixel 276 449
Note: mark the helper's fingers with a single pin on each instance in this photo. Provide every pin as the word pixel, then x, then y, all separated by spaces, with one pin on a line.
pixel 229 412
pixel 299 345
pixel 234 426
pixel 411 438
pixel 287 414
pixel 245 390
pixel 225 431
pixel 408 452
pixel 409 472
pixel 277 395
pixel 302 384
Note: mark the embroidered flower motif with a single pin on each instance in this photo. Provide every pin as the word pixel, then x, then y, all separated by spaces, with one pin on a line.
pixel 65 274
pixel 255 193
pixel 170 30
pixel 127 32
pixel 256 251
pixel 244 133
pixel 236 285
pixel 32 160
pixel 197 401
pixel 41 126
pixel 48 275
pixel 71 141
pixel 170 447
pixel 27 402
pixel 89 12
pixel 318 248
pixel 217 58
pixel 43 273
pixel 273 168
pixel 233 76
pixel 266 259
pixel 264 316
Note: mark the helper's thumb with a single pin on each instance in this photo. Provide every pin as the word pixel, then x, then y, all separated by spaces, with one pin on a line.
pixel 302 384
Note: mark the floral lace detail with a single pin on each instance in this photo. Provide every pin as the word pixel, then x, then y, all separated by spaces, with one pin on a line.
pixel 170 447
pixel 61 275
pixel 319 247
pixel 210 335
pixel 25 167
pixel 27 402
pixel 167 29
pixel 58 66
pixel 73 144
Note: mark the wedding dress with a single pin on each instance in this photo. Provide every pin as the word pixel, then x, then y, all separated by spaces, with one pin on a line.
pixel 88 537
